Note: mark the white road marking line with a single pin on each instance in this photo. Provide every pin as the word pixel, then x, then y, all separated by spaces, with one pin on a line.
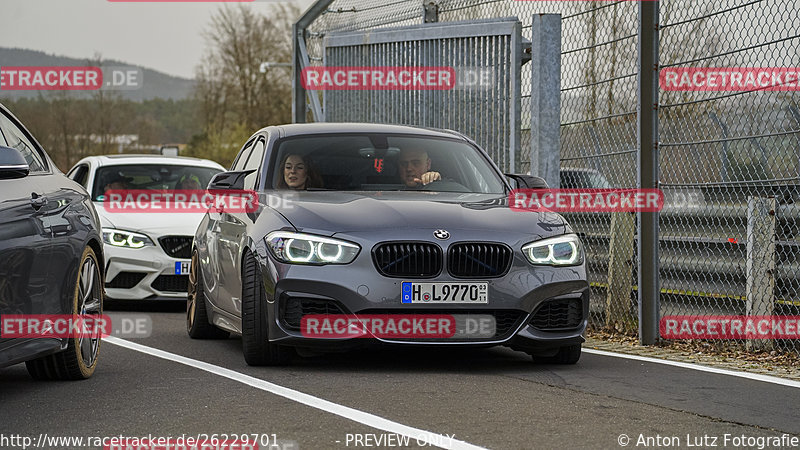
pixel 701 368
pixel 371 420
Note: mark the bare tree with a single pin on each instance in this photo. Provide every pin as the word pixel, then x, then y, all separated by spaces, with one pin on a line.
pixel 230 86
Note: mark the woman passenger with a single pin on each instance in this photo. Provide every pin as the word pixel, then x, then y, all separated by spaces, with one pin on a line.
pixel 298 173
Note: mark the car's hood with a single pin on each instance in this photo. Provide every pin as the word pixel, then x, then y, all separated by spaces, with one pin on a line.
pixel 159 224
pixel 347 212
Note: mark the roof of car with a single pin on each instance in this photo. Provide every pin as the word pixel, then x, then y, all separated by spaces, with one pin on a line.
pixel 299 129
pixel 112 160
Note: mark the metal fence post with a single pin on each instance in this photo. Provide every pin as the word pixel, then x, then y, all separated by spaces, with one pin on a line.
pixel 760 263
pixel 298 91
pixel 620 272
pixel 300 61
pixel 725 165
pixel 546 98
pixel 647 174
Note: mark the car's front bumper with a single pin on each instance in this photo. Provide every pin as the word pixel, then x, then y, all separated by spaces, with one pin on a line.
pixel 517 300
pixel 144 274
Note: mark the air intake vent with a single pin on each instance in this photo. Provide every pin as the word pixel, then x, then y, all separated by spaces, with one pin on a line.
pixel 171 283
pixel 408 259
pixel 177 246
pixel 126 280
pixel 478 260
pixel 294 308
pixel 560 314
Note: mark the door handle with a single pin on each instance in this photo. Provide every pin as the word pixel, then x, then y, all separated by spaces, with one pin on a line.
pixel 37 201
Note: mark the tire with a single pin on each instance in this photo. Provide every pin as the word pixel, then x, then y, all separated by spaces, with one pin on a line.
pixel 256 347
pixel 79 360
pixel 566 356
pixel 197 324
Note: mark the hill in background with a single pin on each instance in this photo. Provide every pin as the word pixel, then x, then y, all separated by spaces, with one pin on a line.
pixel 155 84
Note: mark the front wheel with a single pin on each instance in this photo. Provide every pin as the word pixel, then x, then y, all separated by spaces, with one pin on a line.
pixel 257 349
pixel 79 360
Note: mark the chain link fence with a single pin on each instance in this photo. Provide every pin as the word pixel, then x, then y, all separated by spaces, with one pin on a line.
pixel 718 150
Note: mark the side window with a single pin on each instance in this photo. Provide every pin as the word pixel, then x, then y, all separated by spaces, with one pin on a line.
pixel 244 153
pixel 254 162
pixel 16 138
pixel 79 174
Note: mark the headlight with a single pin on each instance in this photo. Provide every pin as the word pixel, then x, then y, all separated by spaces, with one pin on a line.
pixel 298 248
pixel 558 251
pixel 119 238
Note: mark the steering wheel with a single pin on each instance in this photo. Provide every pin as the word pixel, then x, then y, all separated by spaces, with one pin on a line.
pixel 445 186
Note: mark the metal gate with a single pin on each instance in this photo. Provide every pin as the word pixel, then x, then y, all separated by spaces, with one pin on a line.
pixel 484 102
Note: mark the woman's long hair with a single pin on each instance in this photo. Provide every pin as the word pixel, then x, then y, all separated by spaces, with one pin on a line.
pixel 313 178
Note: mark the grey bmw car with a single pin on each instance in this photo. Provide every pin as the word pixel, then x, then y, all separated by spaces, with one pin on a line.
pixel 51 260
pixel 363 223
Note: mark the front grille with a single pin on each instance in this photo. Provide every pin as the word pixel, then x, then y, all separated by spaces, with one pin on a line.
pixel 126 280
pixel 408 259
pixel 506 320
pixel 171 283
pixel 560 314
pixel 177 246
pixel 294 308
pixel 478 260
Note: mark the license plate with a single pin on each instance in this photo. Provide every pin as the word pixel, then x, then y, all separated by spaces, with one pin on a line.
pixel 450 293
pixel 182 267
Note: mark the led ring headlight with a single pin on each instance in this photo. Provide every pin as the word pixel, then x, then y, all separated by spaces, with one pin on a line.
pixel 125 239
pixel 563 250
pixel 300 248
pixel 329 258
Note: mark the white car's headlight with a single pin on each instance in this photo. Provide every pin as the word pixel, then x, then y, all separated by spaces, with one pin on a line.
pixel 563 250
pixel 298 248
pixel 128 239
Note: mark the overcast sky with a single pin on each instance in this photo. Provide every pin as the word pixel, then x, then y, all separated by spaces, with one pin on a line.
pixel 161 36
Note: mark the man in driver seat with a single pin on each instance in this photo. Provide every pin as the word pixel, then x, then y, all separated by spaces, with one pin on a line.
pixel 415 168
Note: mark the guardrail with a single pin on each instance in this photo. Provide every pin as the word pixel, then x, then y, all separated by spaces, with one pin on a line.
pixel 740 259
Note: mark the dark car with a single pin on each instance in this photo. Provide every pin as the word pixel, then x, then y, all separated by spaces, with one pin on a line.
pixel 384 221
pixel 51 260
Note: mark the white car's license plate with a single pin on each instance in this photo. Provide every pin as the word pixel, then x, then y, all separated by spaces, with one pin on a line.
pixel 182 267
pixel 450 293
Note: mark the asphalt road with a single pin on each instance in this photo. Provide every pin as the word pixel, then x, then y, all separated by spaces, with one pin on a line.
pixel 493 398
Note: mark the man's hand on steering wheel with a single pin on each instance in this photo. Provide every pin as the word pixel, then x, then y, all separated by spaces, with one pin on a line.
pixel 428 177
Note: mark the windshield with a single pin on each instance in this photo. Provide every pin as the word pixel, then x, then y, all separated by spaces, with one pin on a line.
pixel 382 163
pixel 150 176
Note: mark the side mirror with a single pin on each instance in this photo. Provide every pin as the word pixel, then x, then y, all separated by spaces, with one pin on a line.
pixel 12 164
pixel 229 180
pixel 528 181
